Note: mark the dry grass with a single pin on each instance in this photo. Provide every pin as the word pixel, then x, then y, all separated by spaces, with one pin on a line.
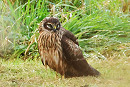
pixel 31 73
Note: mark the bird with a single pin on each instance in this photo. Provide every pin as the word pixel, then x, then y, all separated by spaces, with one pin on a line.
pixel 60 50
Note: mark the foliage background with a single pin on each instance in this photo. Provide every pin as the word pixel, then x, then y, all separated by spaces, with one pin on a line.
pixel 101 26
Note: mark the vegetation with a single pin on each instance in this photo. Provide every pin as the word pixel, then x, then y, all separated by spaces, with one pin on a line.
pixel 31 73
pixel 101 26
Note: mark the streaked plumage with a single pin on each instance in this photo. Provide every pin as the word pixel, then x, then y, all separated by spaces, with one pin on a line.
pixel 60 50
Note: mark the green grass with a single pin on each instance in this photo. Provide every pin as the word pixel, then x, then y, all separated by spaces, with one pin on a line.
pixel 114 71
pixel 102 29
pixel 31 73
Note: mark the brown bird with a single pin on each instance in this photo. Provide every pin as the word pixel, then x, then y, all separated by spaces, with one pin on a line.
pixel 60 50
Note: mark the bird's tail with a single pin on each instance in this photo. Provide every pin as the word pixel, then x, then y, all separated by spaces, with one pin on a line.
pixel 81 68
pixel 93 72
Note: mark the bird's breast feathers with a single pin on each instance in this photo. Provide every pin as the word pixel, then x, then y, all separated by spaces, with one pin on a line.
pixel 51 46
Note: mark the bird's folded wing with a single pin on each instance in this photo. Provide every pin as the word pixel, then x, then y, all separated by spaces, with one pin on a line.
pixel 71 48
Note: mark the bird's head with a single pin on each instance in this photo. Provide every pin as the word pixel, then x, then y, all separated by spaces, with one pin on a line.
pixel 50 24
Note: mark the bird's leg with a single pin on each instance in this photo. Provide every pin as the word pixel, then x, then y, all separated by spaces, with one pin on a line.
pixel 56 74
pixel 45 63
pixel 45 66
pixel 63 77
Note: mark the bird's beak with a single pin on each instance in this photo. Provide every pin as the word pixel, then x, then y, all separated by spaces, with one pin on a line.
pixel 54 29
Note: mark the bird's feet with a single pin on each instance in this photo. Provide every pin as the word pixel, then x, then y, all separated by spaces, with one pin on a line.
pixel 63 77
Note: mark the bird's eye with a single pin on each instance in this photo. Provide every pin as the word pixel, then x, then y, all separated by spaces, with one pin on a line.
pixel 58 26
pixel 49 26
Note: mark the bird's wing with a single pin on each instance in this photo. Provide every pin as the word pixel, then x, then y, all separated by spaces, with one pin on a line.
pixel 69 35
pixel 74 57
pixel 71 47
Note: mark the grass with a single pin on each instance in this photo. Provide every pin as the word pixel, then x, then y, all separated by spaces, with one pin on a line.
pixel 114 71
pixel 31 73
pixel 102 29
